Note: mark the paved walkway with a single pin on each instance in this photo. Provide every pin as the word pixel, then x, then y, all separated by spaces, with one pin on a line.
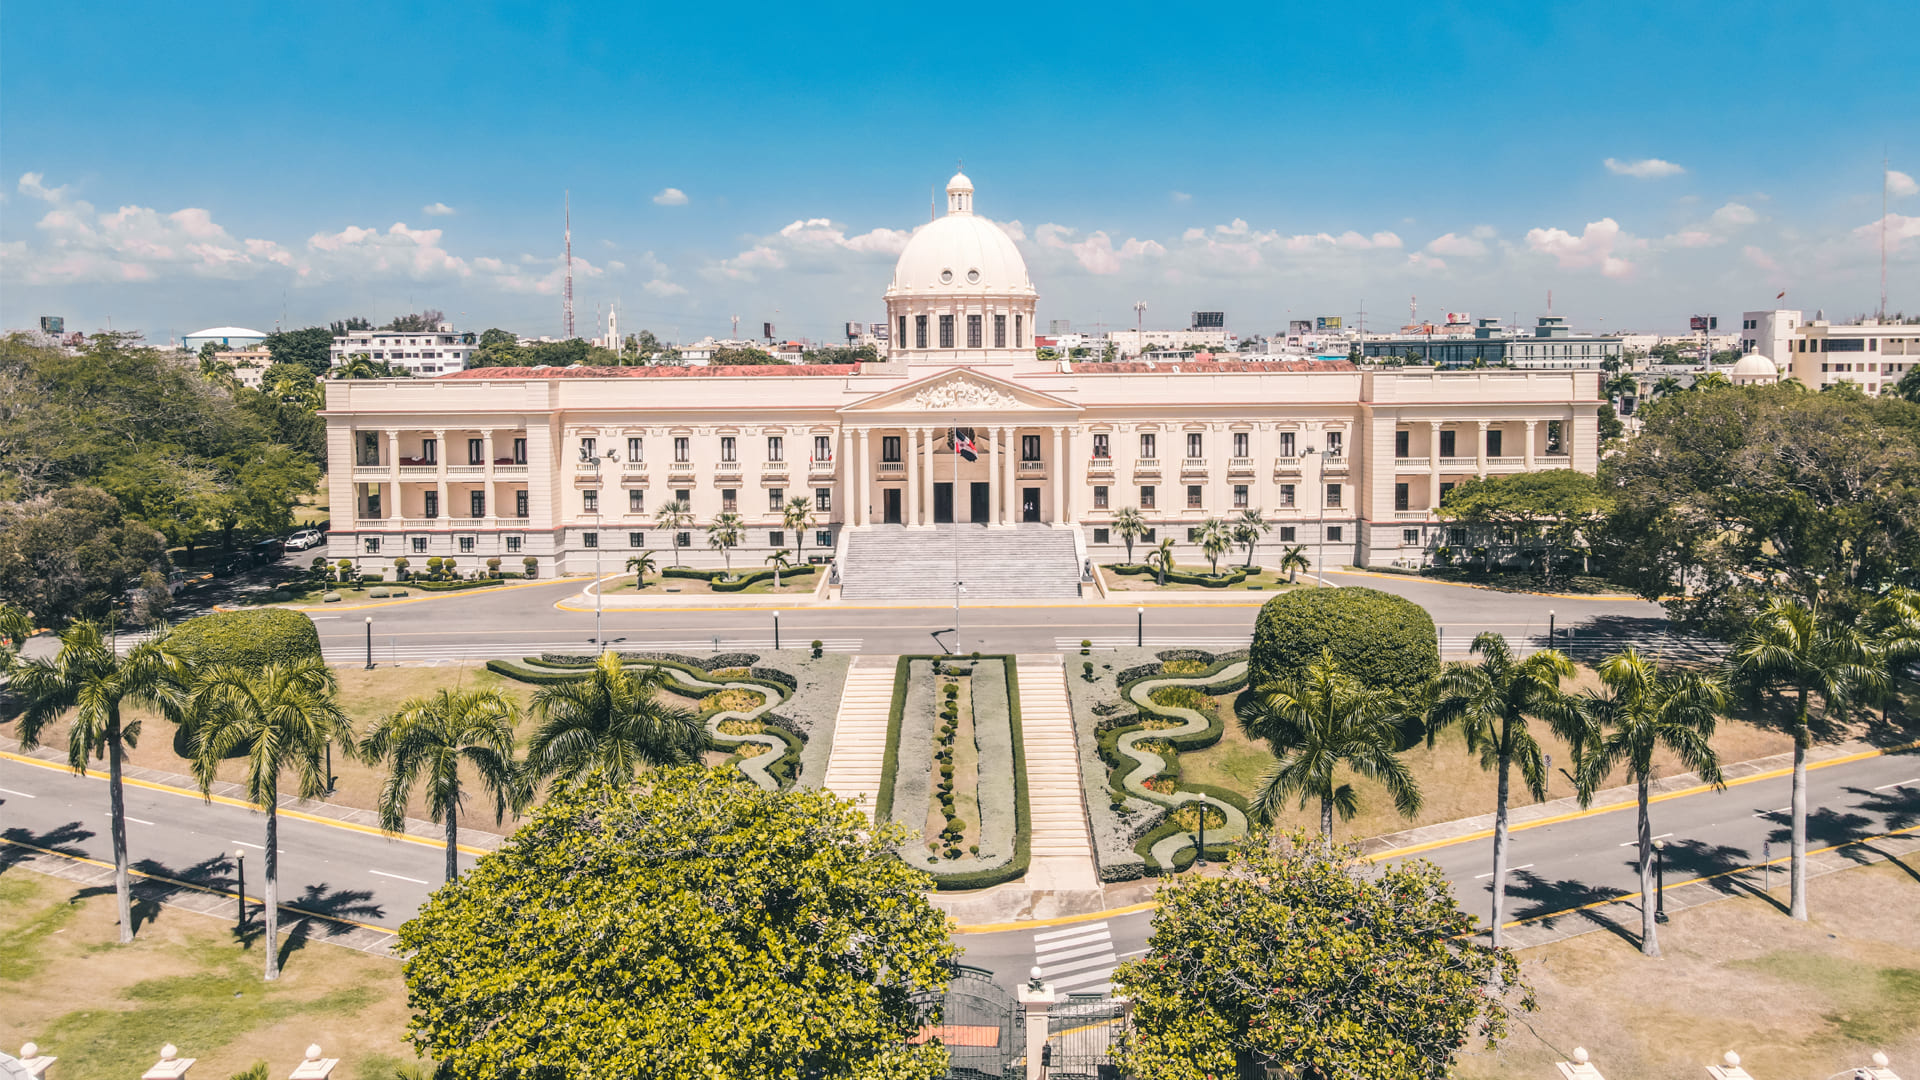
pixel 860 731
pixel 1062 845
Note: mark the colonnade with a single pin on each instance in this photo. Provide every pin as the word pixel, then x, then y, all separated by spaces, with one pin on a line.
pixel 997 445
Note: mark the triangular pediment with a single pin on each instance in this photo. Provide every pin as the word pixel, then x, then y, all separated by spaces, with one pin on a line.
pixel 961 390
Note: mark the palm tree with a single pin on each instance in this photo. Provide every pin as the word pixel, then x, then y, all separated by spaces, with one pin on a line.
pixel 1713 380
pixel 1667 385
pixel 1640 711
pixel 797 517
pixel 1894 626
pixel 1130 525
pixel 437 735
pixel 1215 540
pixel 280 717
pixel 673 517
pixel 1248 528
pixel 1620 386
pixel 1791 645
pixel 15 628
pixel 90 680
pixel 1316 721
pixel 639 565
pixel 725 534
pixel 1492 701
pixel 781 560
pixel 1293 560
pixel 1161 558
pixel 611 721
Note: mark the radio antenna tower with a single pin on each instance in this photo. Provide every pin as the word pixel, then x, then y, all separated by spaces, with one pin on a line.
pixel 736 328
pixel 1413 309
pixel 567 307
pixel 1883 239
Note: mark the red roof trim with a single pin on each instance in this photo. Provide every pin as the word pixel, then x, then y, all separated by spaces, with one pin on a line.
pixel 689 372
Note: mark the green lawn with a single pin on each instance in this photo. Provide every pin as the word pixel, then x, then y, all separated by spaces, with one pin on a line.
pixel 1263 581
pixel 804 585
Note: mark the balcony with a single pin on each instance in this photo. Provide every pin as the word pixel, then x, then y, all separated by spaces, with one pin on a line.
pixel 774 469
pixel 680 472
pixel 1553 461
pixel 1193 466
pixel 1506 462
pixel 1147 466
pixel 1240 466
pixel 634 468
pixel 820 468
pixel 466 470
pixel 1459 463
pixel 1412 515
pixel 585 468
pixel 1286 466
pixel 374 473
pixel 1100 466
pixel 1406 463
pixel 723 470
pixel 419 470
pixel 1336 463
pixel 370 523
pixel 1033 470
pixel 510 470
pixel 892 470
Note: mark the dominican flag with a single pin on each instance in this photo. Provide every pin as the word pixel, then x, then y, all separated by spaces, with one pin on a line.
pixel 963 444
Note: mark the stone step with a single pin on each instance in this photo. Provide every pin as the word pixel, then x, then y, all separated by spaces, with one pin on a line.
pixel 1024 562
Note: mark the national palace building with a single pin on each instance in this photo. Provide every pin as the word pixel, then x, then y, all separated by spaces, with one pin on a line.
pixel 1350 462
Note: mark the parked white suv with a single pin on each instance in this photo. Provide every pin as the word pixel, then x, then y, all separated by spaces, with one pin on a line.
pixel 303 539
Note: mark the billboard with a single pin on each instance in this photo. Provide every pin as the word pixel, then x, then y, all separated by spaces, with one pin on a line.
pixel 766 330
pixel 1300 326
pixel 1458 317
pixel 855 329
pixel 1327 322
pixel 880 332
pixel 53 324
pixel 1209 320
pixel 1704 322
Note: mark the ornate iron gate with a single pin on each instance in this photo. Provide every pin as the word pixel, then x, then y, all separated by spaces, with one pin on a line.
pixel 978 1022
pixel 1082 1033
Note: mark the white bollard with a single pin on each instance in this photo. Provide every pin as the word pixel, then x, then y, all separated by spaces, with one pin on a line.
pixel 1580 1068
pixel 171 1065
pixel 34 1062
pixel 314 1067
pixel 1876 1071
pixel 1731 1070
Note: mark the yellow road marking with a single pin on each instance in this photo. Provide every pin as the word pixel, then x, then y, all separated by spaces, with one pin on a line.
pixel 454 595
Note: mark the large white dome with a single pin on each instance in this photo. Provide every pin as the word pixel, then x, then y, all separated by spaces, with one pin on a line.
pixel 1754 365
pixel 961 253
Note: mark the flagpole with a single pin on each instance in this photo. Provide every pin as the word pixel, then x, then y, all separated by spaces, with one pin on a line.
pixel 954 502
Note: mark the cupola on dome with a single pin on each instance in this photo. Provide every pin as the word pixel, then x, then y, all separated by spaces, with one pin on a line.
pixel 961 252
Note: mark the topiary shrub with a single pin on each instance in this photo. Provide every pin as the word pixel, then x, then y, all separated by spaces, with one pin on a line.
pixel 249 639
pixel 1382 639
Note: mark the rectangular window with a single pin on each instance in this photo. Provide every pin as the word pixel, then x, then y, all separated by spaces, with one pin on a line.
pixel 590 501
pixel 1403 444
pixel 1335 533
pixel 1286 495
pixel 729 449
pixel 1019 331
pixel 430 451
pixel 1150 538
pixel 919 331
pixel 1239 496
pixel 1286 445
pixel 1493 442
pixel 901 341
pixel 890 448
pixel 973 332
pixel 419 545
pixel 776 539
pixel 477 504
pixel 1553 437
pixel 1446 444
pixel 369 448
pixel 1193 535
pixel 1399 496
pixel 1030 448
pixel 683 539
pixel 1409 537
pixel 683 496
pixel 1099 496
pixel 1193 496
pixel 636 539
pixel 636 501
pixel 372 545
pixel 823 448
pixel 1286 534
pixel 1100 536
pixel 1336 444
pixel 1195 447
pixel 636 448
pixel 513 543
pixel 589 448
pixel 999 331
pixel 1846 344
pixel 946 331
pixel 1445 486
pixel 682 449
pixel 1333 496
pixel 822 538
pixel 432 499
pixel 1146 496
pixel 591 539
pixel 1146 445
pixel 466 545
pixel 1100 452
pixel 823 500
pixel 1242 444
pixel 776 499
pixel 520 503
pixel 729 500
pixel 776 448
pixel 476 452
pixel 519 451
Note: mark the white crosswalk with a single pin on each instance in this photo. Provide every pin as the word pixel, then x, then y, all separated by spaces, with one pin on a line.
pixel 1078 960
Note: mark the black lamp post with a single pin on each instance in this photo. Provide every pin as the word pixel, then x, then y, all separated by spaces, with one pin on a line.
pixel 1550 628
pixel 1660 881
pixel 369 643
pixel 240 893
pixel 1140 628
pixel 1200 860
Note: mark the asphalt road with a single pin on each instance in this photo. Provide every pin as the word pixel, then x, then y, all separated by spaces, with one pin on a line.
pixel 381 881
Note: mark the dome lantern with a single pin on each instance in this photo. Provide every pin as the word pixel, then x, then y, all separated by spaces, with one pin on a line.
pixel 959 194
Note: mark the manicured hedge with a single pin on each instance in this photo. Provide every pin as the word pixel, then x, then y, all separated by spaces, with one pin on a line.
pixel 1382 639
pixel 1233 576
pixel 746 577
pixel 450 586
pixel 1168 827
pixel 250 639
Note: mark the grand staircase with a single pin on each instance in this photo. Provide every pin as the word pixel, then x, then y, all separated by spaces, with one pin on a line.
pixel 1026 562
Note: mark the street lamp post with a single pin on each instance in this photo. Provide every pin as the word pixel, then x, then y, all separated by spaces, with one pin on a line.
pixel 599 601
pixel 369 643
pixel 1140 628
pixel 240 893
pixel 1200 858
pixel 1550 627
pixel 776 631
pixel 1660 881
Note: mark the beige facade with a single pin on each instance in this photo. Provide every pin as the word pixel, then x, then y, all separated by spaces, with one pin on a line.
pixel 488 463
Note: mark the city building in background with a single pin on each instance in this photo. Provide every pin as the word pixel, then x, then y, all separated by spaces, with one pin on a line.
pixel 1552 346
pixel 225 337
pixel 1870 355
pixel 422 352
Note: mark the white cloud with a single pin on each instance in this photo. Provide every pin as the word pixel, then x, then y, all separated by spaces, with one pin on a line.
pixel 1899 228
pixel 1644 169
pixel 133 243
pixel 1180 197
pixel 1421 261
pixel 672 196
pixel 665 288
pixel 1095 252
pixel 1734 215
pixel 1454 244
pixel 1900 185
pixel 1760 258
pixel 438 209
pixel 1594 247
pixel 32 184
pixel 810 245
pixel 399 252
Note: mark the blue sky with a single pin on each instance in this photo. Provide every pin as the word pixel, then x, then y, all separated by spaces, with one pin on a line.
pixel 174 166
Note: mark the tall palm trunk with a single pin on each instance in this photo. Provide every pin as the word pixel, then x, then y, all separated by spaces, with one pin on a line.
pixel 272 911
pixel 1500 849
pixel 1326 816
pixel 1649 940
pixel 453 846
pixel 1802 735
pixel 122 886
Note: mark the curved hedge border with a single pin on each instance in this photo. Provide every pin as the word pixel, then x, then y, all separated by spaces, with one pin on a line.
pixel 1013 868
pixel 1232 577
pixel 746 578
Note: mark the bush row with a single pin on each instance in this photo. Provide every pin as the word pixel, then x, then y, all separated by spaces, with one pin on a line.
pixel 1233 576
pixel 717 578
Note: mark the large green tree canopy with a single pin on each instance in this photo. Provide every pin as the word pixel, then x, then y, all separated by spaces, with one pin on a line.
pixel 1381 639
pixel 308 348
pixel 72 554
pixel 1563 507
pixel 690 927
pixel 1307 957
pixel 1733 494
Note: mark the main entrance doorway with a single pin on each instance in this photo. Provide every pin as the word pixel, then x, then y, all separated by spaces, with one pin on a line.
pixel 1029 504
pixel 891 505
pixel 980 513
pixel 942 502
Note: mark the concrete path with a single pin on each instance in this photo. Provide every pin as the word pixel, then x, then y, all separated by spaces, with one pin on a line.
pixel 860 731
pixel 1062 845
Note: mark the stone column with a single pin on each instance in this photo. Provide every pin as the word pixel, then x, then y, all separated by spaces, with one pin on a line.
pixel 926 482
pixel 911 436
pixel 1480 449
pixel 993 476
pixel 844 473
pixel 440 471
pixel 1062 451
pixel 1009 482
pixel 866 476
pixel 1433 465
pixel 1528 445
pixel 390 506
pixel 1035 1002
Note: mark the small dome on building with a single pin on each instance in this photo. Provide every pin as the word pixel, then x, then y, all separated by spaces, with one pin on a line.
pixel 1754 369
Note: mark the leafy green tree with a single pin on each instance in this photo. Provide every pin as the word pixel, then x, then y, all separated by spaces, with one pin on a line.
pixel 1376 637
pixel 1128 523
pixel 841 354
pixel 1319 721
pixel 1248 528
pixel 308 349
pixel 1908 388
pixel 440 737
pixel 1161 559
pixel 72 554
pixel 1492 702
pixel 690 928
pixel 1610 427
pixel 417 322
pixel 88 680
pixel 609 722
pixel 725 534
pixel 639 565
pixel 675 516
pixel 1793 646
pixel 780 560
pixel 1639 710
pixel 1293 560
pixel 1563 507
pixel 340 327
pixel 1215 539
pixel 741 358
pixel 362 366
pixel 16 626
pixel 280 717
pixel 797 517
pixel 1713 380
pixel 1305 957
